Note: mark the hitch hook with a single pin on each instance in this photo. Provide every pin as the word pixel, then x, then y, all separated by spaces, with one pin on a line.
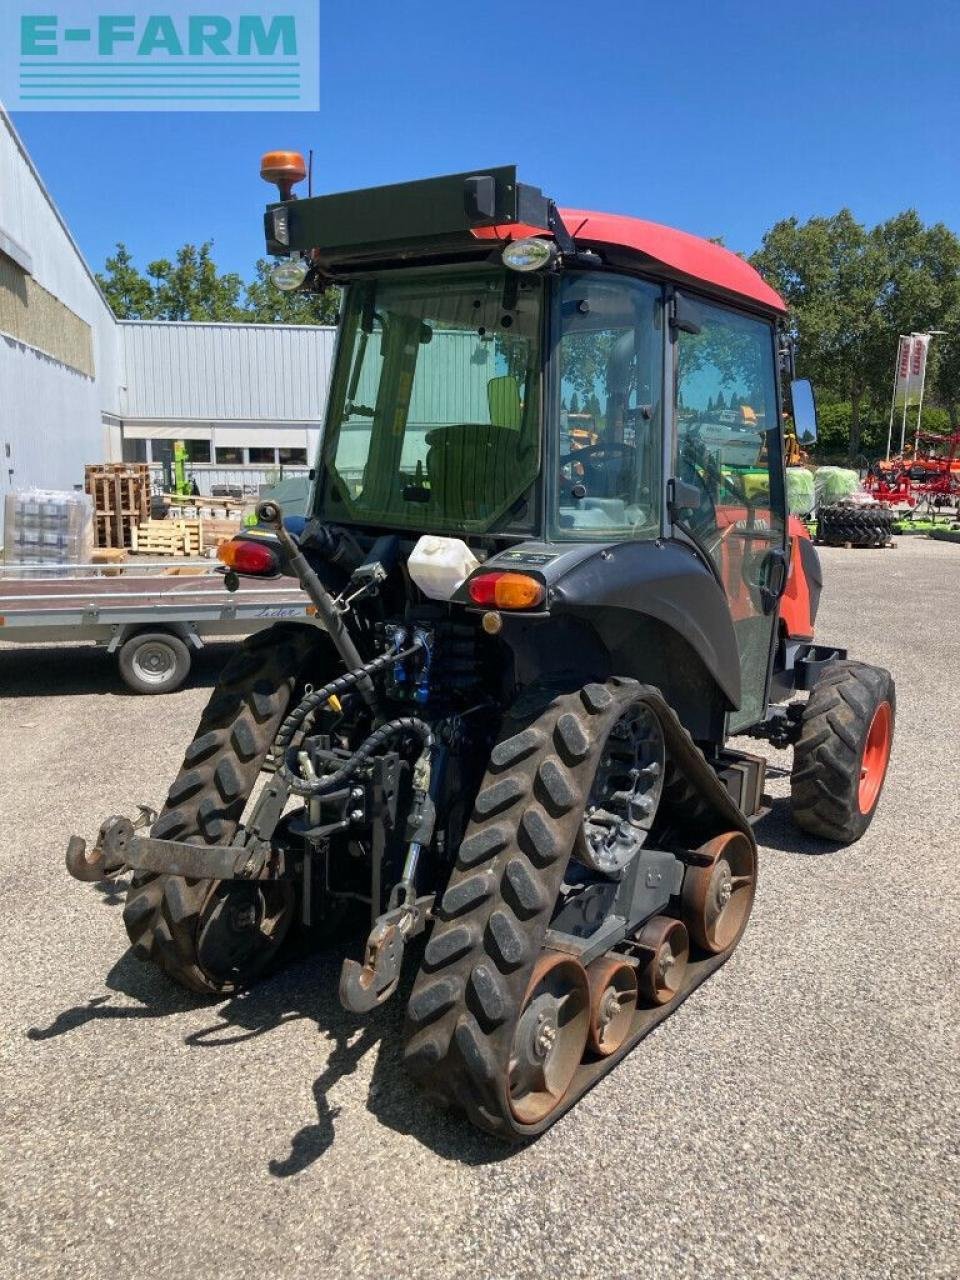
pixel 112 840
pixel 363 987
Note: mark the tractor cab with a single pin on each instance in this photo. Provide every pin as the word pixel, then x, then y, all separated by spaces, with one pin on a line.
pixel 547 559
pixel 522 377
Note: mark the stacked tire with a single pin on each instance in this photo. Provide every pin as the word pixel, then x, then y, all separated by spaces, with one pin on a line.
pixel 843 524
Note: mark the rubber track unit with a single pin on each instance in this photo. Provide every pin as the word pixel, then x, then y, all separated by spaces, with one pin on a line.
pixel 844 523
pixel 494 915
pixel 208 795
pixel 825 778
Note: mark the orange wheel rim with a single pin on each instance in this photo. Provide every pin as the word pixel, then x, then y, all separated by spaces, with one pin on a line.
pixel 876 754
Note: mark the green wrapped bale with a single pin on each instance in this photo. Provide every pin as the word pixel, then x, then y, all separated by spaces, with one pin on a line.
pixel 833 484
pixel 801 494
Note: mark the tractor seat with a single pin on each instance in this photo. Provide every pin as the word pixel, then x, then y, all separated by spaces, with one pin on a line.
pixel 473 468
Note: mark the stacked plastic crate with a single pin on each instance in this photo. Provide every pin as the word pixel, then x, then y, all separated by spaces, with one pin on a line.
pixel 43 528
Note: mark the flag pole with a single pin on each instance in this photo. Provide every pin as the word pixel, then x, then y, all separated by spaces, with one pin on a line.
pixel 893 402
pixel 923 383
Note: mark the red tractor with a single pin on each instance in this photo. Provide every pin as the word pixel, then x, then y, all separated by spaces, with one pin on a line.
pixel 511 724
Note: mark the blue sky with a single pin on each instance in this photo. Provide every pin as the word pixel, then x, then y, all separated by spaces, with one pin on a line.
pixel 718 117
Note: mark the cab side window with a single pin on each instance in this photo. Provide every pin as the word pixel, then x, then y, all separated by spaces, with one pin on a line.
pixel 611 362
pixel 726 415
pixel 729 456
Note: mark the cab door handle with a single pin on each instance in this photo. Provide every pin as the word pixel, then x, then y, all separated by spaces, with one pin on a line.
pixel 773 579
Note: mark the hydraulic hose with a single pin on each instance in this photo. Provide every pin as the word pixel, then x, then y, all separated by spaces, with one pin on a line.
pixel 313 701
pixel 317 698
pixel 330 781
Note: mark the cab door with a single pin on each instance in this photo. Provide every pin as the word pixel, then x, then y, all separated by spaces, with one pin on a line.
pixel 730 496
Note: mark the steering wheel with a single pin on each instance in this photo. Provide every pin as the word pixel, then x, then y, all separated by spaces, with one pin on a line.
pixel 616 447
pixel 610 448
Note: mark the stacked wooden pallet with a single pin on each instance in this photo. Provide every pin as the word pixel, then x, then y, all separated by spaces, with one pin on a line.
pixel 222 517
pixel 121 500
pixel 169 537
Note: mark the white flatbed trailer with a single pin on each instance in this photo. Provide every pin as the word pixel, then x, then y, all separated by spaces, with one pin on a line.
pixel 152 619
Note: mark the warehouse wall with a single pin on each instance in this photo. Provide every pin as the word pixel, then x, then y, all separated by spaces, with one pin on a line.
pixel 59 359
pixel 75 383
pixel 226 372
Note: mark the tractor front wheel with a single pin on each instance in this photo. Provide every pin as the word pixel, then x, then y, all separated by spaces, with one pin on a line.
pixel 841 757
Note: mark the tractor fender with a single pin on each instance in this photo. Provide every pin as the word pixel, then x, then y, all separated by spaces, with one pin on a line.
pixel 801 596
pixel 666 581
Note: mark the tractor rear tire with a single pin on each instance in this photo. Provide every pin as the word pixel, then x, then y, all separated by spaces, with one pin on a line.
pixel 840 759
pixel 842 523
pixel 164 913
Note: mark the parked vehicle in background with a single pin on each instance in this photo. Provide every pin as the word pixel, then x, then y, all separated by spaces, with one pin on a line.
pixel 152 616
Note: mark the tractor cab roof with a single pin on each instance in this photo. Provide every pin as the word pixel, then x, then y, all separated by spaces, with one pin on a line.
pixel 449 218
pixel 681 255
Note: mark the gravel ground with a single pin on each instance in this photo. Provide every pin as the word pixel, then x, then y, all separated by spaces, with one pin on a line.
pixel 797 1117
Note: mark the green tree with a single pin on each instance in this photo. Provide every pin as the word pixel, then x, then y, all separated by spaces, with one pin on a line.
pixel 831 274
pixel 191 287
pixel 945 375
pixel 851 291
pixel 130 295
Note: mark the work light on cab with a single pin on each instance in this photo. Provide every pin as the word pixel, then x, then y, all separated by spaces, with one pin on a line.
pixel 530 254
pixel 506 591
pixel 248 557
pixel 290 275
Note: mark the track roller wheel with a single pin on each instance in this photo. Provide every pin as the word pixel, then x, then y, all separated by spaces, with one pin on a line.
pixel 613 999
pixel 718 891
pixel 550 1038
pixel 667 946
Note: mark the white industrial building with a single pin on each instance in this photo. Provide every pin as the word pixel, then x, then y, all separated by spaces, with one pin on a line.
pixel 78 386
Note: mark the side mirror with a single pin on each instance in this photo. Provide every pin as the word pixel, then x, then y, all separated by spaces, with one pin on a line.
pixel 804 411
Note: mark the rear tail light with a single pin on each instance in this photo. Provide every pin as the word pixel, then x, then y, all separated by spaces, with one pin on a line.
pixel 506 591
pixel 247 557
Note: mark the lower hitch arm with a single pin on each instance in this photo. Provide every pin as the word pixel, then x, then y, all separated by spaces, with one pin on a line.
pixel 118 849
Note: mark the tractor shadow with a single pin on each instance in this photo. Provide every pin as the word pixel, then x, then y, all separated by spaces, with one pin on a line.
pixel 306 988
pixel 309 990
pixel 776 830
pixel 74 670
pixel 157 997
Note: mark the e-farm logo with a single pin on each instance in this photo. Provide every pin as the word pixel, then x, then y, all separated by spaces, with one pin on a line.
pixel 181 55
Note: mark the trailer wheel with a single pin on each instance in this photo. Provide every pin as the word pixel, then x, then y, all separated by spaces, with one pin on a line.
pixel 840 760
pixel 154 662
